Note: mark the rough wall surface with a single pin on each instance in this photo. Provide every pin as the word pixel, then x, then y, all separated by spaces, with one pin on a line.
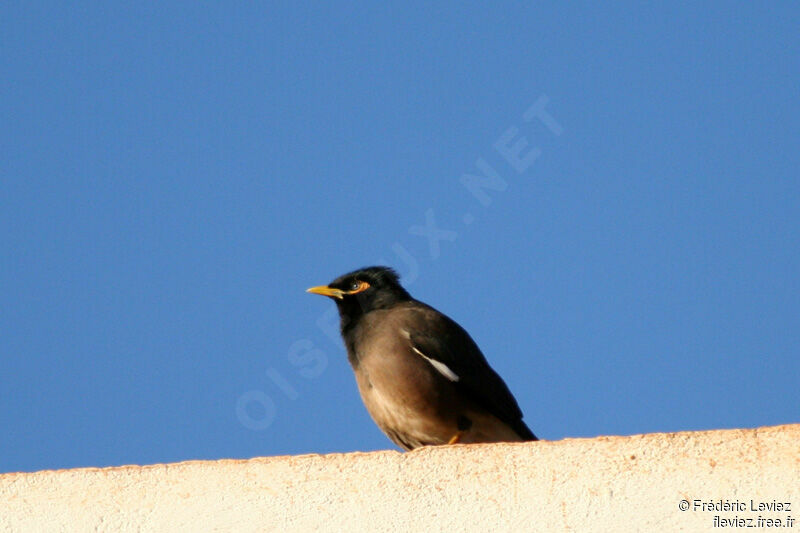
pixel 638 483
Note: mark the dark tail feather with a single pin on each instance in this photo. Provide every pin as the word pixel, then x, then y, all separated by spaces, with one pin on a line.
pixel 523 430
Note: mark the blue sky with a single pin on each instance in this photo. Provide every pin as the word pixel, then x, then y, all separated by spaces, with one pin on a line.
pixel 174 175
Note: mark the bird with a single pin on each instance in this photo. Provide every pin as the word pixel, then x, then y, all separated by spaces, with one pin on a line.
pixel 422 378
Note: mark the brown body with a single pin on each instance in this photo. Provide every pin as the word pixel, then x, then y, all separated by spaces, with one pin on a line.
pixel 427 413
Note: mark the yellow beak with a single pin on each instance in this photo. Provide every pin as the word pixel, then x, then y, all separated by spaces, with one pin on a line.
pixel 327 291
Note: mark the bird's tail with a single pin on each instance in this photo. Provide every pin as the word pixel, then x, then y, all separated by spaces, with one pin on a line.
pixel 523 431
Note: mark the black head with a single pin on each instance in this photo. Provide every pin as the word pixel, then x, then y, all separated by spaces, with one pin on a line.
pixel 362 291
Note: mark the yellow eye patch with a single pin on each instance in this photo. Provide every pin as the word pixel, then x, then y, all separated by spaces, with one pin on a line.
pixel 358 286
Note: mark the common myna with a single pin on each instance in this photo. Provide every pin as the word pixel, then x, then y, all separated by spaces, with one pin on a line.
pixel 422 378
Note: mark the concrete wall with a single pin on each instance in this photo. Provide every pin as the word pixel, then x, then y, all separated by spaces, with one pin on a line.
pixel 637 483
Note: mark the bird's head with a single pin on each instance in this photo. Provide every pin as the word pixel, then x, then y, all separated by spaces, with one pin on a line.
pixel 362 291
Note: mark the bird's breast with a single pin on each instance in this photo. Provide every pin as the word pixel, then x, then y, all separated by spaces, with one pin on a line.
pixel 404 394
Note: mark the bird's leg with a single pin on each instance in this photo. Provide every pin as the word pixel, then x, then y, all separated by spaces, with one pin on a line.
pixel 463 424
pixel 455 438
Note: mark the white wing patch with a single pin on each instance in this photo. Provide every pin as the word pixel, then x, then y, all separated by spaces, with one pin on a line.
pixel 438 365
pixel 442 368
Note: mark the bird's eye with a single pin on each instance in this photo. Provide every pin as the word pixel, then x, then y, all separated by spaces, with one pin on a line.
pixel 358 286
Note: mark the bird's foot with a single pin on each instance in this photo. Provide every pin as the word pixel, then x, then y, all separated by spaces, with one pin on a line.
pixel 456 438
